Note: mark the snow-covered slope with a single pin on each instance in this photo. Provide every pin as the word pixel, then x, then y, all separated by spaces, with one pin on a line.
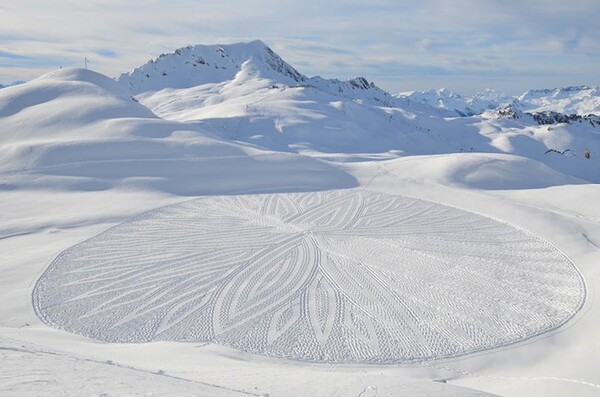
pixel 79 129
pixel 581 100
pixel 483 171
pixel 257 104
pixel 304 119
pixel 12 84
pixel 290 118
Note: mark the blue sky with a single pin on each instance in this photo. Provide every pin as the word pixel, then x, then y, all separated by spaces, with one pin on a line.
pixel 464 45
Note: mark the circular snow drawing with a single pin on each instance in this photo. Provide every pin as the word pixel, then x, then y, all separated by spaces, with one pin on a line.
pixel 340 276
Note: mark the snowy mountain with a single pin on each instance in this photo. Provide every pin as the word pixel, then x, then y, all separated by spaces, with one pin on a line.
pixel 78 129
pixel 286 111
pixel 489 98
pixel 209 64
pixel 203 64
pixel 517 110
pixel 12 84
pixel 582 100
pixel 289 118
pixel 441 99
pixel 461 105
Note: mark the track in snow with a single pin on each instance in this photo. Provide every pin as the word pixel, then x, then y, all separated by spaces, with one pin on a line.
pixel 340 276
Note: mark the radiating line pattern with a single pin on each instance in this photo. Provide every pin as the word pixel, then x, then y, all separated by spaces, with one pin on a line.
pixel 338 276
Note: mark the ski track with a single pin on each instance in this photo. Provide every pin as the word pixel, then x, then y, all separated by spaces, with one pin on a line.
pixel 338 276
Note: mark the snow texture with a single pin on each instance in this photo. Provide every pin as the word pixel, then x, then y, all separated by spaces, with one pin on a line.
pixel 339 276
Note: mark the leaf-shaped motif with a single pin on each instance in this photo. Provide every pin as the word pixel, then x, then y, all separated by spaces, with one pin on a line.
pixel 322 304
pixel 283 319
pixel 270 278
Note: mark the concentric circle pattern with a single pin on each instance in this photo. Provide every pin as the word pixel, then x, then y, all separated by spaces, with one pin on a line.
pixel 340 276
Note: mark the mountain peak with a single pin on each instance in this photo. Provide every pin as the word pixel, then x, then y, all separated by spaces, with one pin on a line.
pixel 446 92
pixel 492 95
pixel 199 65
pixel 202 64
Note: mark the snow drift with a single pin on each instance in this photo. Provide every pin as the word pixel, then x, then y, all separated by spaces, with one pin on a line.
pixel 78 129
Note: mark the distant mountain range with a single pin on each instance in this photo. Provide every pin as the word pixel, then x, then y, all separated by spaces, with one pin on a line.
pixel 211 64
pixel 454 102
pixel 12 84
pixel 581 100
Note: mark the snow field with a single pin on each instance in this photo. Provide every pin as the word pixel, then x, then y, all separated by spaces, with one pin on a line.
pixel 318 278
pixel 338 276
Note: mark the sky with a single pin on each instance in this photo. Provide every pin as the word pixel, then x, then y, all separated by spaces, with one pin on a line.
pixel 401 45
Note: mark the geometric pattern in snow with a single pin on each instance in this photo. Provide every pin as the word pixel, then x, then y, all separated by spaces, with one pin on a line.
pixel 338 276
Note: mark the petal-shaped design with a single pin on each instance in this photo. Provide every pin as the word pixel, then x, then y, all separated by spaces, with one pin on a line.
pixel 283 319
pixel 273 277
pixel 322 304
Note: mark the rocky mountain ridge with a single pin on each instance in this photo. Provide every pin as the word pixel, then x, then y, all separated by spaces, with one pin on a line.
pixel 212 64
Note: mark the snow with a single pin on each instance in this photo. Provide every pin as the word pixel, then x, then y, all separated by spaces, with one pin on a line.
pixel 90 173
pixel 258 104
pixel 483 171
pixel 344 276
pixel 12 84
pixel 103 377
pixel 457 104
pixel 201 65
pixel 78 130
pixel 198 65
pixel 568 100
pixel 493 97
pixel 582 100
pixel 304 119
